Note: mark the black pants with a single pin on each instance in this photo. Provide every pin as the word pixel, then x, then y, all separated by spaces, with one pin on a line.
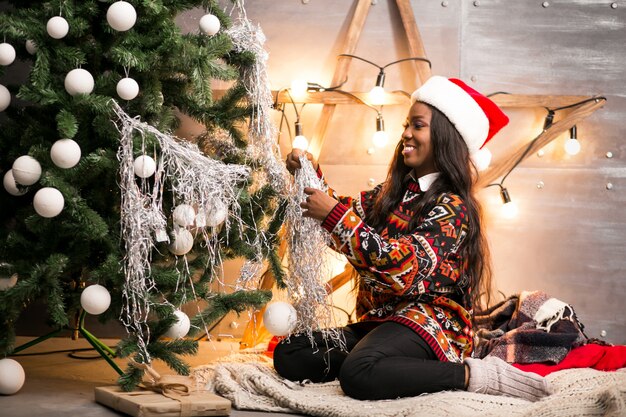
pixel 384 362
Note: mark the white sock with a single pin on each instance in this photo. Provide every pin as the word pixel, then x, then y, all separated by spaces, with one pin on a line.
pixel 494 376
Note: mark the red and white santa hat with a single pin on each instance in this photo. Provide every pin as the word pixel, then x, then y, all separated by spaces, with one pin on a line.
pixel 474 115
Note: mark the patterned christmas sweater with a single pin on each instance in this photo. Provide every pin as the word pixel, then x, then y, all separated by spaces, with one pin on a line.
pixel 412 277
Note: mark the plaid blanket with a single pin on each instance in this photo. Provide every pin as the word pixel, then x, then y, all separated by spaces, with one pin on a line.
pixel 529 327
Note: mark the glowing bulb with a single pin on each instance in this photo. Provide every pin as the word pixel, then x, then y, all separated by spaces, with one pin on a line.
pixel 380 138
pixel 377 95
pixel 509 210
pixel 482 159
pixel 298 88
pixel 572 146
pixel 300 142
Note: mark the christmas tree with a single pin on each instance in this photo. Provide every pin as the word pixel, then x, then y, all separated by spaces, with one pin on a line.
pixel 88 162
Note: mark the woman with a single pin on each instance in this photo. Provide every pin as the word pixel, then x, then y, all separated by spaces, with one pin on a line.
pixel 416 241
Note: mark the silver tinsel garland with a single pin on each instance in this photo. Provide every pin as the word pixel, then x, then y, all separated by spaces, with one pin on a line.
pixel 193 179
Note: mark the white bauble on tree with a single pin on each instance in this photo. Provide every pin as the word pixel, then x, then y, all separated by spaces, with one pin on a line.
pixel 182 242
pixel 65 153
pixel 10 185
pixel 121 16
pixel 31 47
pixel 180 328
pixel 127 88
pixel 8 278
pixel 57 27
pixel 79 81
pixel 48 202
pixel 144 166
pixel 184 215
pixel 7 54
pixel 5 98
pixel 209 24
pixel 12 376
pixel 280 318
pixel 216 215
pixel 95 299
pixel 26 170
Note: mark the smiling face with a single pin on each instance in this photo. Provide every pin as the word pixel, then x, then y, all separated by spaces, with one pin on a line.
pixel 418 151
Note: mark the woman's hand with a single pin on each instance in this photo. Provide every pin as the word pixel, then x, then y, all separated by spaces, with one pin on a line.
pixel 317 204
pixel 293 160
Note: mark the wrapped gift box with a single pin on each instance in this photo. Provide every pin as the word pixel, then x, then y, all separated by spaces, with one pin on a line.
pixel 146 403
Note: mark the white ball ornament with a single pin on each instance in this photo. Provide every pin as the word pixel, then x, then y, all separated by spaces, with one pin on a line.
pixel 48 202
pixel 7 54
pixel 79 81
pixel 26 170
pixel 95 299
pixel 216 215
pixel 65 153
pixel 31 47
pixel 121 16
pixel 57 27
pixel 184 215
pixel 127 88
pixel 10 185
pixel 182 242
pixel 5 98
pixel 209 24
pixel 12 376
pixel 144 166
pixel 180 328
pixel 280 318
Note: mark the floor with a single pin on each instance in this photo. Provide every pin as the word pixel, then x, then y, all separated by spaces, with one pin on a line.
pixel 58 385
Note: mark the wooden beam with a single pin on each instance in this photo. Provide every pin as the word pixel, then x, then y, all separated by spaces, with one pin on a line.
pixel 535 100
pixel 341 72
pixel 508 162
pixel 338 281
pixel 416 46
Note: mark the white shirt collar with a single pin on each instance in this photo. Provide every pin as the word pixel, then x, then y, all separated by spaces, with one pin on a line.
pixel 425 181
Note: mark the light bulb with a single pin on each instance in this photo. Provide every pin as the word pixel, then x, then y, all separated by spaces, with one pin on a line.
pixel 377 95
pixel 298 88
pixel 300 142
pixel 482 159
pixel 509 210
pixel 380 138
pixel 572 146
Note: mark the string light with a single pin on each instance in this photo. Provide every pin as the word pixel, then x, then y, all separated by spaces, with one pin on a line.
pixel 380 138
pixel 299 88
pixel 300 141
pixel 572 145
pixel 509 208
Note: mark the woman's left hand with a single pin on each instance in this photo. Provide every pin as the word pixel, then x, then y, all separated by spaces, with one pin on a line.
pixel 317 204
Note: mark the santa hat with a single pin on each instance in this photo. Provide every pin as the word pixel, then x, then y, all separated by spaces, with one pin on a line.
pixel 475 116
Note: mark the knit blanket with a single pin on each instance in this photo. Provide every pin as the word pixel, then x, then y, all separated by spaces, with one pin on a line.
pixel 252 384
pixel 529 327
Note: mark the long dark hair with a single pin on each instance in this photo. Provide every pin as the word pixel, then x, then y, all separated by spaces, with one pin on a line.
pixel 457 174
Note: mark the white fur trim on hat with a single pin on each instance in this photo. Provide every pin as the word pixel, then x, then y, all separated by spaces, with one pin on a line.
pixel 460 108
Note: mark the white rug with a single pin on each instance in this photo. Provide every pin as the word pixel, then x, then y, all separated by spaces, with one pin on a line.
pixel 251 383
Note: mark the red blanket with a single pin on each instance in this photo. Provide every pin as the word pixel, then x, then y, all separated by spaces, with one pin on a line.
pixel 601 357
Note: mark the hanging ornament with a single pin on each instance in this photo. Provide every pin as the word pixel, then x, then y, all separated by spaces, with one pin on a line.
pixel 121 16
pixel 184 215
pixel 7 54
pixel 280 318
pixel 127 88
pixel 216 215
pixel 95 299
pixel 79 81
pixel 209 24
pixel 182 242
pixel 26 170
pixel 180 328
pixel 12 376
pixel 31 47
pixel 10 185
pixel 8 278
pixel 144 166
pixel 48 202
pixel 57 27
pixel 65 153
pixel 5 97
